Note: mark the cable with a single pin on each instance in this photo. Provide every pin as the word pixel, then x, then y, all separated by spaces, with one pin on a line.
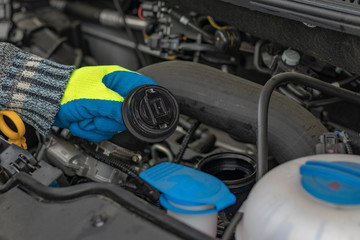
pixel 230 229
pixel 141 185
pixel 308 104
pixel 109 160
pixel 322 102
pixel 257 58
pixel 139 54
pixel 214 25
pixel 299 91
pixel 186 141
pixel 263 108
pixel 185 21
pixel 290 95
pixel 348 80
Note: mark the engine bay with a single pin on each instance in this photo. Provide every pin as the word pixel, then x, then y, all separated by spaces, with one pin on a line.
pixel 254 93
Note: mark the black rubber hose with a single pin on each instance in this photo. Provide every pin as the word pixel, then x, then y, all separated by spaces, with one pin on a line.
pixel 230 103
pixel 264 100
pixel 186 141
pixel 111 191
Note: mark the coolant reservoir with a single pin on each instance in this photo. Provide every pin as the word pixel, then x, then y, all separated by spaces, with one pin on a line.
pixel 315 197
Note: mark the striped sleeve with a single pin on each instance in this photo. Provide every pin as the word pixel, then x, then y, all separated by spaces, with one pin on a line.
pixel 31 86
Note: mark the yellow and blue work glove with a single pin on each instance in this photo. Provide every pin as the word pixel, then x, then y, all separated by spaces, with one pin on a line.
pixel 91 104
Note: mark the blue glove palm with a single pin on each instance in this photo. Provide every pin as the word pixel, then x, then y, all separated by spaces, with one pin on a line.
pixel 91 104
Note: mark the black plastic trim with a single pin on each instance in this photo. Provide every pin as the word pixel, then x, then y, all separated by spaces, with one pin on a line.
pixel 115 193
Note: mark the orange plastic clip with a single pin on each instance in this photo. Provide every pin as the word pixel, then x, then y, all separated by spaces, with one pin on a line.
pixel 14 137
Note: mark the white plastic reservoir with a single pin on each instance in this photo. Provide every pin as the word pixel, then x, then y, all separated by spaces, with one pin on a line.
pixel 320 203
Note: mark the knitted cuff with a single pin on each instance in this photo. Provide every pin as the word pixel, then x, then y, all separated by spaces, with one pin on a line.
pixel 31 86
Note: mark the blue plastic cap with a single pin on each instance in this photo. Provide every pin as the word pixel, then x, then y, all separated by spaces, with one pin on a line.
pixel 335 182
pixel 188 187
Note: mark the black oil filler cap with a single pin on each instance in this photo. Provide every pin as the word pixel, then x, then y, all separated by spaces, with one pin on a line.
pixel 150 113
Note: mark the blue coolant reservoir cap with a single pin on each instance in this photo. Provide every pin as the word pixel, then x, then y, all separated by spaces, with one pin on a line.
pixel 335 182
pixel 188 187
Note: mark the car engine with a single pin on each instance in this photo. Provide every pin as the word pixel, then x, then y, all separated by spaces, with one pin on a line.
pixel 260 98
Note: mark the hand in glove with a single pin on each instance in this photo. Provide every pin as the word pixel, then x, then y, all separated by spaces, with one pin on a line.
pixel 91 104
